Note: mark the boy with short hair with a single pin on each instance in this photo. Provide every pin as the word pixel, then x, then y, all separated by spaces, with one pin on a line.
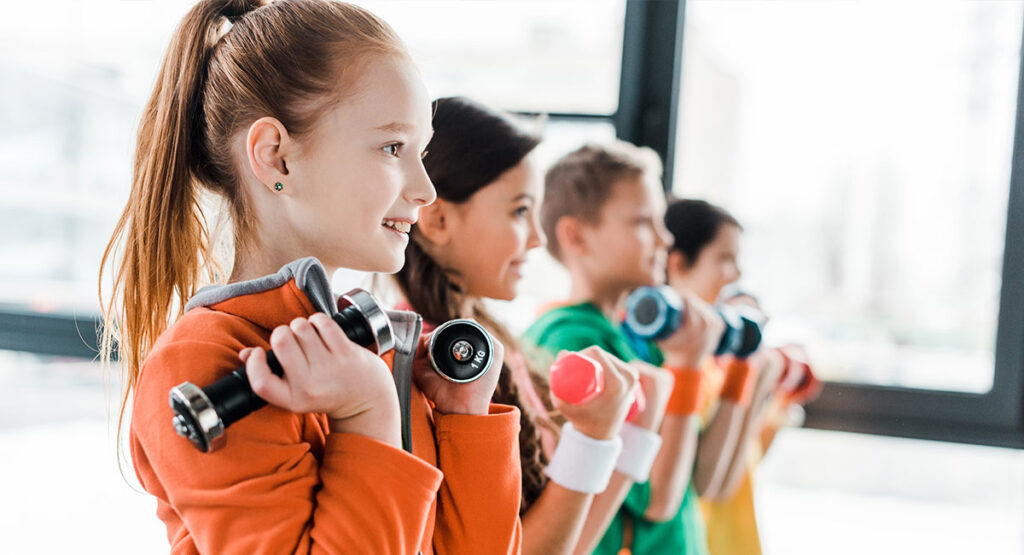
pixel 603 214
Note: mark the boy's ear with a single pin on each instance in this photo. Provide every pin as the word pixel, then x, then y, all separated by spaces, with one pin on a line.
pixel 571 235
pixel 434 223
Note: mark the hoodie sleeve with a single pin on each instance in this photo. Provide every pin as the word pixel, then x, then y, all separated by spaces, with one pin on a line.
pixel 266 491
pixel 478 503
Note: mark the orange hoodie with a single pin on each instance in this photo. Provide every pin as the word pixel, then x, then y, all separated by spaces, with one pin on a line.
pixel 284 484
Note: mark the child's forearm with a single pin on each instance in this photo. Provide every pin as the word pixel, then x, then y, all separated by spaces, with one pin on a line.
pixel 602 510
pixel 673 467
pixel 554 522
pixel 721 443
pixel 717 447
pixel 768 432
pixel 737 468
pixel 382 422
pixel 754 423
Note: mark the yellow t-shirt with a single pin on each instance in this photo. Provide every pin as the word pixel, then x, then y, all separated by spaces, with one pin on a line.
pixel 732 524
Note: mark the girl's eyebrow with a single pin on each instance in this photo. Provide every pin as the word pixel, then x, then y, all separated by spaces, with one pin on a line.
pixel 400 127
pixel 526 196
pixel 395 126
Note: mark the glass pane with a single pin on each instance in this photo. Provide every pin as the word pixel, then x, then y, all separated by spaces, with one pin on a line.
pixel 866 149
pixel 544 278
pixel 74 77
pixel 523 56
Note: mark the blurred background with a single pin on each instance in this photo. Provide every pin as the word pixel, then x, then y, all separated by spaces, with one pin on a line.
pixel 868 148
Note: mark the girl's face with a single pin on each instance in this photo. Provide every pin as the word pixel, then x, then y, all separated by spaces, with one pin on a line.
pixel 493 230
pixel 716 265
pixel 627 246
pixel 355 186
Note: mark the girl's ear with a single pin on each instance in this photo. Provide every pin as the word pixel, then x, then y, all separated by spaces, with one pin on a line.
pixel 266 147
pixel 435 222
pixel 676 266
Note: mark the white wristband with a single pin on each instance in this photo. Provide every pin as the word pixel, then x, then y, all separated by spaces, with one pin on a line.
pixel 582 463
pixel 639 448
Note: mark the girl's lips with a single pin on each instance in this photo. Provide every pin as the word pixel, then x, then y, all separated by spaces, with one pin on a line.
pixel 394 232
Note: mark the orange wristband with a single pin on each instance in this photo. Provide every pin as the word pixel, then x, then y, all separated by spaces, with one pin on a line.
pixel 739 382
pixel 686 393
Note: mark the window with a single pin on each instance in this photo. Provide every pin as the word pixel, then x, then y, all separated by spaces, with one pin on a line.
pixel 553 56
pixel 875 143
pixel 73 90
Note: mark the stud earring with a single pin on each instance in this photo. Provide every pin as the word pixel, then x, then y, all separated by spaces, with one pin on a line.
pixel 278 186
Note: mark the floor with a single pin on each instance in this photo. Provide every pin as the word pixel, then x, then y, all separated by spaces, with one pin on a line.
pixel 817 492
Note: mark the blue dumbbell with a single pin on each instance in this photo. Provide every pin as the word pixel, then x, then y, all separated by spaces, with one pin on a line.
pixel 657 312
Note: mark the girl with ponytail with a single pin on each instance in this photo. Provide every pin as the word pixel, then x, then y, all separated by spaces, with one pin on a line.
pixel 308 120
pixel 471 245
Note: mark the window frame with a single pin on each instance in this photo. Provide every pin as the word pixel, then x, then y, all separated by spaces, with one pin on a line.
pixel 993 418
pixel 650 79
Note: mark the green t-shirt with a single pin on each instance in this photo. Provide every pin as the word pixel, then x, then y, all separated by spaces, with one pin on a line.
pixel 573 328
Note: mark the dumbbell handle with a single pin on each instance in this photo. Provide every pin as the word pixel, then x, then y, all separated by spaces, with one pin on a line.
pixel 202 415
pixel 577 379
pixel 236 394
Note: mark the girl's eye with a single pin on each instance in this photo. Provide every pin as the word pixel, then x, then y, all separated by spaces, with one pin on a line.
pixel 393 149
pixel 521 212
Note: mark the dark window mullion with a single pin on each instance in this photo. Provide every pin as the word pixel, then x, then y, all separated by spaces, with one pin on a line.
pixel 1008 382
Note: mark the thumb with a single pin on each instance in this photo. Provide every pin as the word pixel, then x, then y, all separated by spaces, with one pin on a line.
pixel 269 387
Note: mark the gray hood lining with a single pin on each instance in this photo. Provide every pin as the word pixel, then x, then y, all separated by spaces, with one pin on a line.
pixel 310 276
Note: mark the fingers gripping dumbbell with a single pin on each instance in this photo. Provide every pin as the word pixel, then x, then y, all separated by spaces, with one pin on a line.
pixel 201 415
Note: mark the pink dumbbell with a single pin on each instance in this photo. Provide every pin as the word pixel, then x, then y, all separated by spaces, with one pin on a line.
pixel 576 378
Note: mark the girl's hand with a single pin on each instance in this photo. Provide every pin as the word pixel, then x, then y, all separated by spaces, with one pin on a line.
pixel 457 398
pixel 698 335
pixel 602 416
pixel 325 371
pixel 657 385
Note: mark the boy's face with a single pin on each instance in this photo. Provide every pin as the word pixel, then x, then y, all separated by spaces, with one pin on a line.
pixel 627 246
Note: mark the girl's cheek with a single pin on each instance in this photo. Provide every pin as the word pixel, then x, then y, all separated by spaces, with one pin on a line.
pixel 522 236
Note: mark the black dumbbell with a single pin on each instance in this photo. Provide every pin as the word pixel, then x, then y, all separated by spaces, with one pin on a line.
pixel 460 350
pixel 657 312
pixel 202 414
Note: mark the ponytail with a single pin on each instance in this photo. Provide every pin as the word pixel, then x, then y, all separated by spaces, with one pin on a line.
pixel 229 63
pixel 162 227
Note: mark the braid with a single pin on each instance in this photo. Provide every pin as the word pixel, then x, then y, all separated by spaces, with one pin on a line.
pixel 472 146
pixel 531 454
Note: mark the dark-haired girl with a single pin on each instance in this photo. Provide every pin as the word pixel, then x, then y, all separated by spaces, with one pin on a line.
pixel 471 245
